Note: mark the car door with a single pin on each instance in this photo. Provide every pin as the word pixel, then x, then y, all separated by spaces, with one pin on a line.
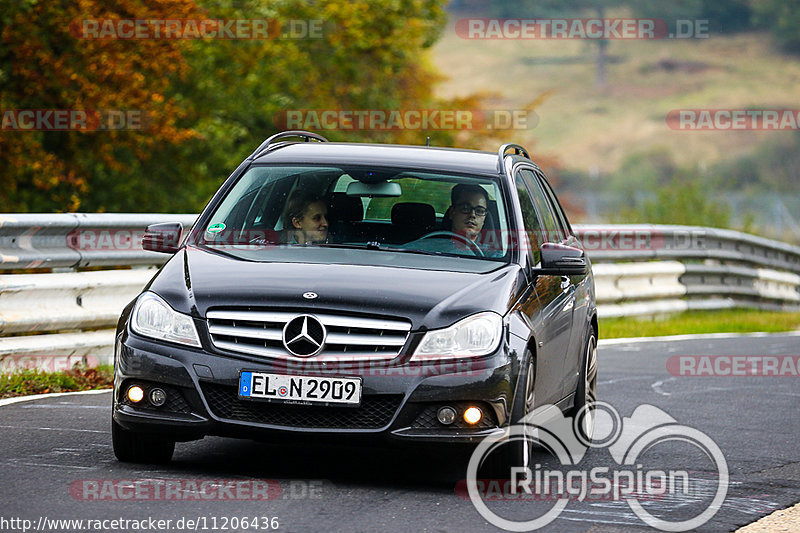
pixel 556 293
pixel 532 307
pixel 581 287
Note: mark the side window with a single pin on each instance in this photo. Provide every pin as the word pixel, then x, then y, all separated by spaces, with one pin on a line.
pixel 532 227
pixel 551 230
pixel 561 217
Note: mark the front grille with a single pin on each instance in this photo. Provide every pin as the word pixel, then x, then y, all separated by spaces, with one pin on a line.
pixel 426 419
pixel 260 333
pixel 375 411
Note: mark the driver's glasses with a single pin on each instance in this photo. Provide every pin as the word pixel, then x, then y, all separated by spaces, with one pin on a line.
pixel 467 208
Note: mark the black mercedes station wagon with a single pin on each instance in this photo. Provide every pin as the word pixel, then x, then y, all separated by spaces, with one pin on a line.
pixel 407 293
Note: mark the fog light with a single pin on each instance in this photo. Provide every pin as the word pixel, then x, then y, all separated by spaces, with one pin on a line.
pixel 158 397
pixel 446 415
pixel 135 393
pixel 472 416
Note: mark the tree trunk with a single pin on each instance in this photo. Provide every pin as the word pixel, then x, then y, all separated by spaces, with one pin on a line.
pixel 602 50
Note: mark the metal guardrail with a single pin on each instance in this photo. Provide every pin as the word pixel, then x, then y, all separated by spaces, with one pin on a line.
pixel 78 240
pixel 639 270
pixel 637 242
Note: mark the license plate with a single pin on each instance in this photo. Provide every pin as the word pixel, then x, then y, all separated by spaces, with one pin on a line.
pixel 300 389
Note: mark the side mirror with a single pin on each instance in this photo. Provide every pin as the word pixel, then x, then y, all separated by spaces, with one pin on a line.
pixel 164 237
pixel 561 260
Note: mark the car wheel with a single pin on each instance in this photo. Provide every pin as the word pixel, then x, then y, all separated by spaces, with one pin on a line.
pixel 131 447
pixel 583 412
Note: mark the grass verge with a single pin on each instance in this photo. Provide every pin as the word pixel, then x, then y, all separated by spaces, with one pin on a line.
pixel 32 381
pixel 693 322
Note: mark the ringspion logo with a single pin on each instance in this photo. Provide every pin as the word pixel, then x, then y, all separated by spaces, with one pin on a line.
pixel 628 441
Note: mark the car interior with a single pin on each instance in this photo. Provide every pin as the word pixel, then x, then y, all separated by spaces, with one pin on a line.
pixel 392 209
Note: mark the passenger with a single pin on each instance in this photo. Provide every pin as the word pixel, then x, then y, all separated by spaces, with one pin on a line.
pixel 306 218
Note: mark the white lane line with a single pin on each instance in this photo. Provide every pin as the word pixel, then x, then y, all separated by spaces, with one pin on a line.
pixel 612 381
pixel 17 399
pixel 699 336
pixel 658 384
pixel 64 405
pixel 57 429
pixel 45 465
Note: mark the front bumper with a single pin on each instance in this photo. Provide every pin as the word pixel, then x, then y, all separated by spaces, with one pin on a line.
pixel 399 401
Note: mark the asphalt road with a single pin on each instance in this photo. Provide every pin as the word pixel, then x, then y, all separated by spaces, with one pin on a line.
pixel 56 462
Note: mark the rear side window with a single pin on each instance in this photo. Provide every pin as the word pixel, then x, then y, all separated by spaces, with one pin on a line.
pixel 551 230
pixel 561 217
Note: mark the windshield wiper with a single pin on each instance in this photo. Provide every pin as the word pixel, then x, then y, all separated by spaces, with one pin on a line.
pixel 383 248
pixel 366 246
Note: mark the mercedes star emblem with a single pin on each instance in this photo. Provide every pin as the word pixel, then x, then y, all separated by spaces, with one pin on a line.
pixel 304 336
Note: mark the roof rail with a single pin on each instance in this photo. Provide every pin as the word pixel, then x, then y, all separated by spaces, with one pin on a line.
pixel 307 135
pixel 501 154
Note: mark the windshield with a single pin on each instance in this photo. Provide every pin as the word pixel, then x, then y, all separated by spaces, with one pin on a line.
pixel 274 209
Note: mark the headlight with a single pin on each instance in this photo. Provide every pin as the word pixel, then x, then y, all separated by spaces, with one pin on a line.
pixel 473 336
pixel 152 317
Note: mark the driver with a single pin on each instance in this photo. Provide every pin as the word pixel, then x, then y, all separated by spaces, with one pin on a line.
pixel 467 211
pixel 306 218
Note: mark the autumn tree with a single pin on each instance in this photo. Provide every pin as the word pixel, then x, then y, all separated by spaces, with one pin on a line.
pixel 45 66
pixel 208 102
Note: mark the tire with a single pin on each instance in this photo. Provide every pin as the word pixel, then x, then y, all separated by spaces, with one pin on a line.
pixel 519 452
pixel 131 447
pixel 586 393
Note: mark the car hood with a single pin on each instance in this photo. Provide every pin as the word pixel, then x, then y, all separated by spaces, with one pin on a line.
pixel 195 280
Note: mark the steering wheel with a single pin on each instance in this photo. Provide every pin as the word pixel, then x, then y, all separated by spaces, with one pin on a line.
pixel 441 234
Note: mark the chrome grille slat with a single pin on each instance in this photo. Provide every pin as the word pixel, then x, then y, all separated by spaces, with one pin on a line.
pixel 365 340
pixel 329 320
pixel 280 353
pixel 260 333
pixel 250 349
pixel 250 333
pixel 362 323
pixel 254 316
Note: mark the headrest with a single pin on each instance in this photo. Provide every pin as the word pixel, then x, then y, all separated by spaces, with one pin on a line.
pixel 346 208
pixel 413 214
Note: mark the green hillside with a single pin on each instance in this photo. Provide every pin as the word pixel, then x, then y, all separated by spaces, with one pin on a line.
pixel 586 126
pixel 593 130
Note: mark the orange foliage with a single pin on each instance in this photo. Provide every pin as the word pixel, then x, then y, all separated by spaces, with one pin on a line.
pixel 48 68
